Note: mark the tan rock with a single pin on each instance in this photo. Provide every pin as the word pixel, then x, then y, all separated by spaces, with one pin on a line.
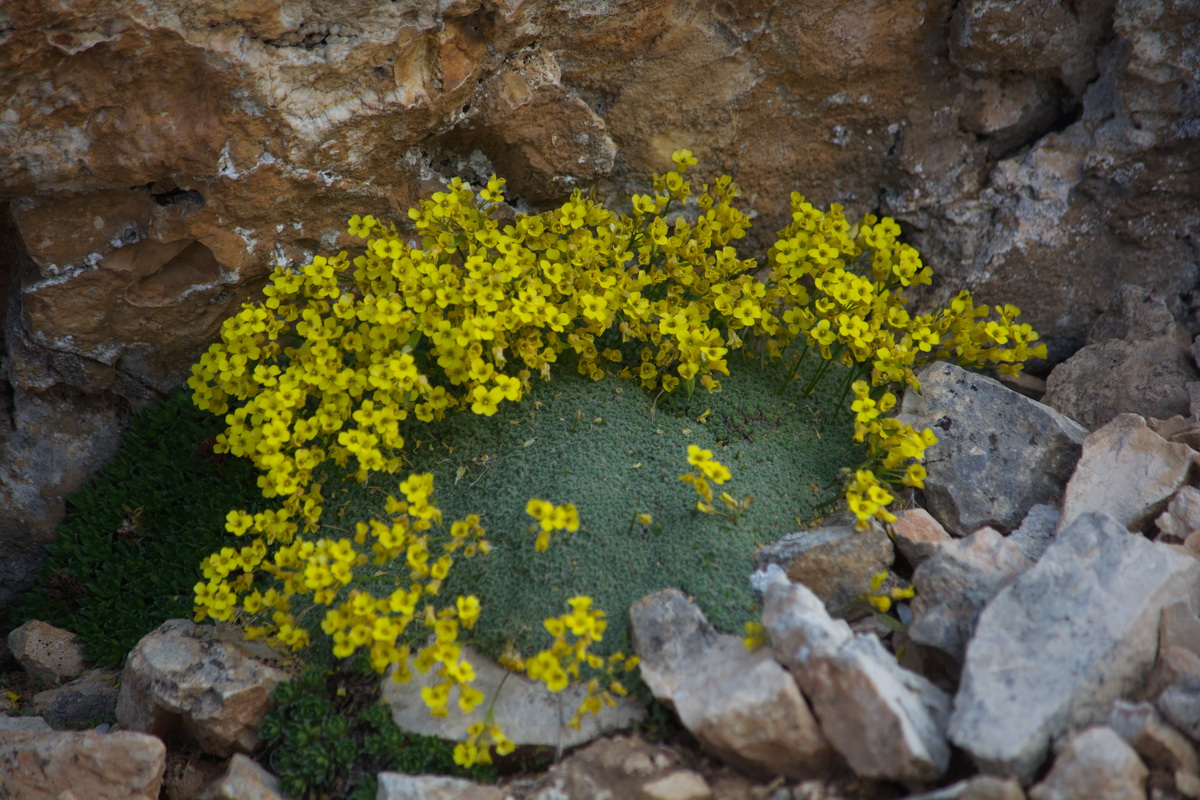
pixel 181 678
pixel 398 786
pixel 1096 764
pixel 679 785
pixel 47 653
pixel 66 764
pixel 917 535
pixel 243 779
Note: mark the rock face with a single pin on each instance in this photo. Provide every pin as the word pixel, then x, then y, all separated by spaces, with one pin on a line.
pixel 998 452
pixel 61 764
pixel 1055 649
pixel 742 706
pixel 1144 352
pixel 887 722
pixel 182 680
pixel 47 653
pixel 1096 763
pixel 160 158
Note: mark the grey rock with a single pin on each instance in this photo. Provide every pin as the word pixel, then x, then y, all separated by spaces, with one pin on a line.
pixel 955 583
pixel 742 706
pixel 65 764
pixel 398 786
pixel 1137 360
pixel 998 452
pixel 917 535
pixel 525 709
pixel 47 653
pixel 1128 472
pixel 1180 704
pixel 980 787
pixel 887 722
pixel 1182 517
pixel 1178 649
pixel 183 678
pixel 835 561
pixel 11 725
pixel 83 701
pixel 1162 748
pixel 1057 647
pixel 1096 764
pixel 1037 531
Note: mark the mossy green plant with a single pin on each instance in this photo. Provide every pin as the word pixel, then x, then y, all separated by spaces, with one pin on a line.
pixel 124 560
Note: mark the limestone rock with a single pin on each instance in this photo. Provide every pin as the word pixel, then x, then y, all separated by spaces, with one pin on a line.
pixel 1098 764
pixel 1170 757
pixel 835 561
pixel 887 722
pixel 679 785
pixel 17 725
pixel 1137 360
pixel 615 767
pixel 1037 531
pixel 1128 472
pixel 100 766
pixel 955 583
pixel 742 706
pixel 1057 647
pixel 243 779
pixel 1182 517
pixel 83 701
pixel 47 653
pixel 918 535
pixel 998 452
pixel 525 709
pixel 182 678
pixel 398 786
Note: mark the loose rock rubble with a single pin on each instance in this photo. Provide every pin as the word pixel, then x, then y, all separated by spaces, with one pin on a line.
pixel 1052 649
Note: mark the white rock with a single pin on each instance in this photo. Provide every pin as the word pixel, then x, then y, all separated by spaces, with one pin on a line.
pixel 682 784
pixel 525 710
pixel 1182 517
pixel 887 722
pixel 742 706
pixel 181 676
pixel 1096 764
pixel 68 764
pixel 1057 647
pixel 47 653
pixel 1126 471
pixel 398 786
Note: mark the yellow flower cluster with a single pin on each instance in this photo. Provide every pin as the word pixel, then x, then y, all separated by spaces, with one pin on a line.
pixel 709 469
pixel 882 601
pixel 557 666
pixel 551 518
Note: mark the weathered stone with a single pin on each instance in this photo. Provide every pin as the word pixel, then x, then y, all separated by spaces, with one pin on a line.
pixel 1057 647
pixel 89 699
pixel 1128 472
pixel 998 452
pixel 835 561
pixel 1182 517
pixel 1137 361
pixel 398 786
pixel 980 787
pixel 47 653
pixel 886 722
pixel 1179 429
pixel 1165 751
pixel 613 767
pixel 1178 650
pixel 743 706
pixel 917 535
pixel 99 766
pixel 243 779
pixel 1097 764
pixel 11 725
pixel 183 679
pixel 682 784
pixel 525 709
pixel 1037 531
pixel 955 583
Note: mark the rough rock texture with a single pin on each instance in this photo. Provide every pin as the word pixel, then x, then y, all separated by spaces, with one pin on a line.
pixel 1037 531
pixel 243 779
pixel 525 709
pixel 886 722
pixel 1127 471
pixel 1166 752
pixel 917 535
pixel 835 561
pixel 743 706
pixel 998 452
pixel 1096 764
pixel 1144 354
pixel 61 764
pixel 181 679
pixel 980 787
pixel 955 583
pixel 82 702
pixel 160 158
pixel 1182 517
pixel 1056 648
pixel 47 653
pixel 398 786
